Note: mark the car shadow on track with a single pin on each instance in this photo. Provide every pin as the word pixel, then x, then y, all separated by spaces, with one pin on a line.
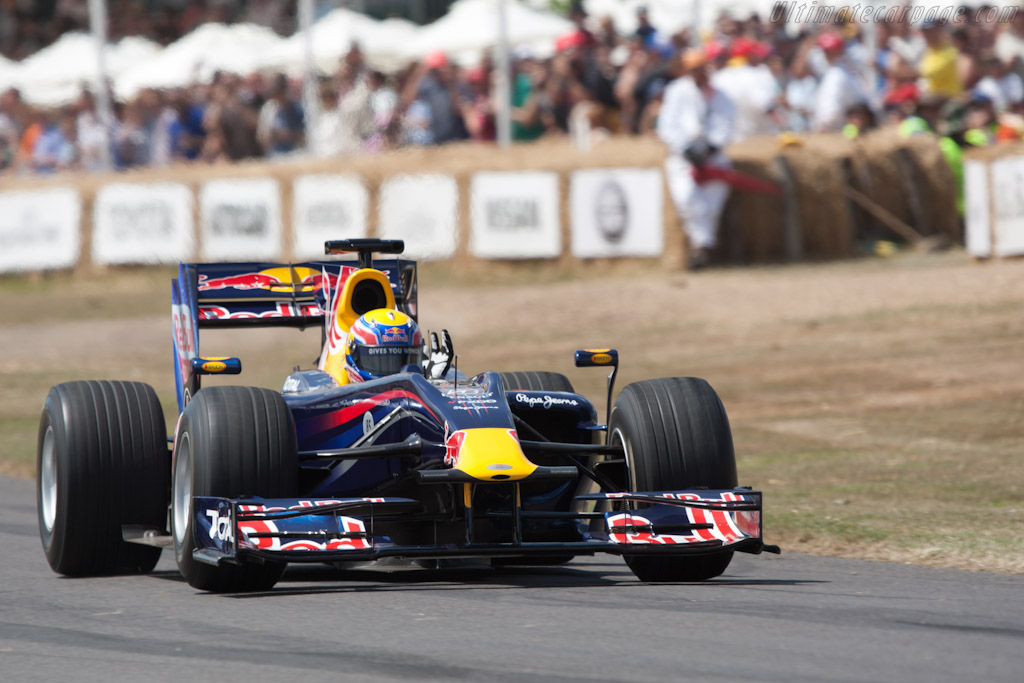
pixel 324 579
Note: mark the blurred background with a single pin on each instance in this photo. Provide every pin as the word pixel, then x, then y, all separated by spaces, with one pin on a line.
pixel 191 80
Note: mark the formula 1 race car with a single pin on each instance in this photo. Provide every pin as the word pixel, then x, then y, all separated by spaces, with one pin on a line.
pixel 417 462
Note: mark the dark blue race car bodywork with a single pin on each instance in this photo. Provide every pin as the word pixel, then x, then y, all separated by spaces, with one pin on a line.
pixel 383 470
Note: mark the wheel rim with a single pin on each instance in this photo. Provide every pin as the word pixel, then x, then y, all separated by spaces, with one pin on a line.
pixel 48 481
pixel 618 437
pixel 181 502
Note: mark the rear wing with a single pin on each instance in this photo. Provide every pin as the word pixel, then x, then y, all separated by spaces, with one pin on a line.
pixel 264 294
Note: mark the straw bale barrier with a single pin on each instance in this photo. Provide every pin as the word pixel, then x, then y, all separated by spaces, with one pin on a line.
pixel 816 172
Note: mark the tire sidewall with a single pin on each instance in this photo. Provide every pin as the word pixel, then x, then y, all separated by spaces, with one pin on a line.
pixel 184 440
pixel 52 538
pixel 621 427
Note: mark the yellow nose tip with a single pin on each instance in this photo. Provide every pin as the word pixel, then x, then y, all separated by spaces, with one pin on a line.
pixel 491 454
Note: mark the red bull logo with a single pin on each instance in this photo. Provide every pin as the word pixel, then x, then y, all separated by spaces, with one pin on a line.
pixel 299 279
pixel 394 335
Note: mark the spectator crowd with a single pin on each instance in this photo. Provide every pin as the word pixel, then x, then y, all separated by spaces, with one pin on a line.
pixel 962 80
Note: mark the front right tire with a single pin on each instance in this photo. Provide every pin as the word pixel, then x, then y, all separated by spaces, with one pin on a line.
pixel 231 442
pixel 676 436
pixel 101 463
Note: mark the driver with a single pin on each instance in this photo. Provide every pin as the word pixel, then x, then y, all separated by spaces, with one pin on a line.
pixel 382 342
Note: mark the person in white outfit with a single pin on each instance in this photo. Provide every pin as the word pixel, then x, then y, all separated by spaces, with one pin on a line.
pixel 752 89
pixel 840 87
pixel 696 122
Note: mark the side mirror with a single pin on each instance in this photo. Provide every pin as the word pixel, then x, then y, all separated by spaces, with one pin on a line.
pixel 216 366
pixel 601 358
pixel 593 358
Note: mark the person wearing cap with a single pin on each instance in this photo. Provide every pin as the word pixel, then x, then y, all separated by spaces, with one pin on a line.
pixel 578 16
pixel 926 117
pixel 696 122
pixel 899 104
pixel 940 65
pixel 433 85
pixel 840 88
pixel 753 90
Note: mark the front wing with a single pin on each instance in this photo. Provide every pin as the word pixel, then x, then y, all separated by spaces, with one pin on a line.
pixel 690 522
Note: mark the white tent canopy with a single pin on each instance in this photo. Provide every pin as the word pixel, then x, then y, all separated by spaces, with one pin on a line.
pixel 470 28
pixel 54 76
pixel 238 48
pixel 334 34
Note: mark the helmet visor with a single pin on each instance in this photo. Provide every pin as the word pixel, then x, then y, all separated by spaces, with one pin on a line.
pixel 385 360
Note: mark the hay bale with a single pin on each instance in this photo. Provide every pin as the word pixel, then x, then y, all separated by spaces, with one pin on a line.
pixel 825 216
pixel 754 233
pixel 816 167
pixel 932 179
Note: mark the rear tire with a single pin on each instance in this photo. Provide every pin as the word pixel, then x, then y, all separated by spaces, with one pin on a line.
pixel 677 436
pixel 536 381
pixel 231 442
pixel 101 463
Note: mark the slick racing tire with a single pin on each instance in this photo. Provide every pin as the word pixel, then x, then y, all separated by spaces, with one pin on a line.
pixel 676 436
pixel 101 463
pixel 536 381
pixel 231 442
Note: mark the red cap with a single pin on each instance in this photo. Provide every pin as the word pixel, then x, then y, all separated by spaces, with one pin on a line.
pixel 435 60
pixel 576 39
pixel 742 47
pixel 714 50
pixel 475 75
pixel 902 93
pixel 829 41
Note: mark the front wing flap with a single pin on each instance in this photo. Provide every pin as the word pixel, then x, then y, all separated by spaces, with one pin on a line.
pixel 717 520
pixel 225 528
pixel 328 530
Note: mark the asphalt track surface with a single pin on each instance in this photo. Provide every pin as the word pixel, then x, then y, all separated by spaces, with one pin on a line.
pixel 769 618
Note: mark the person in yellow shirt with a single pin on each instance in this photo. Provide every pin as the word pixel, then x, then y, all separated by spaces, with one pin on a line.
pixel 939 66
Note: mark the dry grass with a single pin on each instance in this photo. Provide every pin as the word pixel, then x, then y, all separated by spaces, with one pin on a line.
pixel 878 403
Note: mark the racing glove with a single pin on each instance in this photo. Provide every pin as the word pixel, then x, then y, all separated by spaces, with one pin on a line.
pixel 438 355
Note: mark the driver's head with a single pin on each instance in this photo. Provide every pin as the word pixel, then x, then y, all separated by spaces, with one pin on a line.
pixel 382 342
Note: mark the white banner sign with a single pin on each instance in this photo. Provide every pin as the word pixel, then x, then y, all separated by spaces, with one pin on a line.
pixel 515 215
pixel 978 235
pixel 617 212
pixel 420 209
pixel 39 229
pixel 327 207
pixel 149 223
pixel 240 218
pixel 1008 202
